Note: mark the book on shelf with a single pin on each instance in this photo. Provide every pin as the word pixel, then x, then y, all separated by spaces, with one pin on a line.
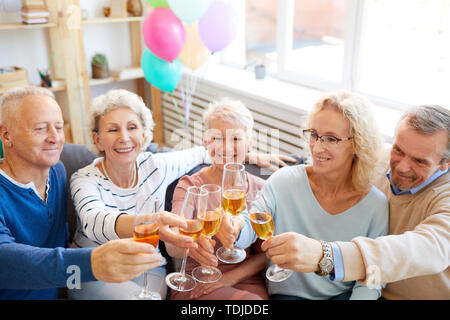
pixel 34 3
pixel 35 21
pixel 128 73
pixel 35 15
pixel 34 12
pixel 34 9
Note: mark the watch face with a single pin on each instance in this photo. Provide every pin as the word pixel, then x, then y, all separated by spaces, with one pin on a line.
pixel 327 265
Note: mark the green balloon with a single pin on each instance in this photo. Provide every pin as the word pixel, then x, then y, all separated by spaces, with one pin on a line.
pixel 159 73
pixel 158 3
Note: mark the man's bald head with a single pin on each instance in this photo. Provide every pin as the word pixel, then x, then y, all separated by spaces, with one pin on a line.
pixel 12 100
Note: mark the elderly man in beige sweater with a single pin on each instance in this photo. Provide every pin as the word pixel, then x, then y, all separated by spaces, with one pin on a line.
pixel 413 260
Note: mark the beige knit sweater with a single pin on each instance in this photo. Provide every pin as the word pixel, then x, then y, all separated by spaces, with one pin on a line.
pixel 414 258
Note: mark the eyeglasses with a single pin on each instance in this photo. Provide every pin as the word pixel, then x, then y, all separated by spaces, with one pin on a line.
pixel 327 141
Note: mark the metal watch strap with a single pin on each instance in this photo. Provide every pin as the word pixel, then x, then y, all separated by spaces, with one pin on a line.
pixel 326 255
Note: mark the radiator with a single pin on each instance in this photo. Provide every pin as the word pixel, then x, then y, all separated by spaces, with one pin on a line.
pixel 275 130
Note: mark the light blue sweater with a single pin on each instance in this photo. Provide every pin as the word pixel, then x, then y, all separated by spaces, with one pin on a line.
pixel 294 208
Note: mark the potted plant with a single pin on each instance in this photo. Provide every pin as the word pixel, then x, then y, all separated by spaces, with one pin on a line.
pixel 100 67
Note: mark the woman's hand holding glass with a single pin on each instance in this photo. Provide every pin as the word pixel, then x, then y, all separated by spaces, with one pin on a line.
pixel 167 222
pixel 211 221
pixel 229 230
pixel 234 188
pixel 146 229
pixel 226 234
pixel 194 207
pixel 294 251
pixel 262 223
pixel 204 252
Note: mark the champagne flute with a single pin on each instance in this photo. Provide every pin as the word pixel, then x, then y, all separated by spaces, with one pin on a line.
pixel 146 229
pixel 264 227
pixel 211 222
pixel 194 207
pixel 234 187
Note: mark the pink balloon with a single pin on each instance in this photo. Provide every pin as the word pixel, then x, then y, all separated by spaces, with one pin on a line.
pixel 164 33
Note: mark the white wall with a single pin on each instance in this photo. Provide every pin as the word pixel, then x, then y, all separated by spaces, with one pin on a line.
pixel 29 49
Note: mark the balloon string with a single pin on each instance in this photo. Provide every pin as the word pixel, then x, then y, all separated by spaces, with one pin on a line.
pixel 180 114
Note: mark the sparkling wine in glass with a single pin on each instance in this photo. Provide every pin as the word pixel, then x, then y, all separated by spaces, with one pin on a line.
pixel 194 207
pixel 211 222
pixel 146 229
pixel 264 227
pixel 234 188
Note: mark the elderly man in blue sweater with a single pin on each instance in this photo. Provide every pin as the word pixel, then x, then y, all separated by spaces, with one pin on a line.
pixel 34 256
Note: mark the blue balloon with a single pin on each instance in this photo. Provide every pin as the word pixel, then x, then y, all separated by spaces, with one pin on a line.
pixel 189 11
pixel 159 73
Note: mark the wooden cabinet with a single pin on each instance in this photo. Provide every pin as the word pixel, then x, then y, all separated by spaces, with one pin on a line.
pixel 134 70
pixel 70 68
pixel 62 42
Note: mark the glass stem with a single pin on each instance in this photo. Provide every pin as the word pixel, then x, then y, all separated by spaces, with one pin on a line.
pixel 183 264
pixel 276 268
pixel 207 270
pixel 145 284
pixel 230 251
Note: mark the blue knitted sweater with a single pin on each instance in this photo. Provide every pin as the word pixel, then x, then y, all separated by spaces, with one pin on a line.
pixel 34 258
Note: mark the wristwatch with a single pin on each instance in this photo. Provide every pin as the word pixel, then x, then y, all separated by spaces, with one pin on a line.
pixel 326 264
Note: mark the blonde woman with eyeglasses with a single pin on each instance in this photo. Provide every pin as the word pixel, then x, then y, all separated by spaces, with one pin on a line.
pixel 331 199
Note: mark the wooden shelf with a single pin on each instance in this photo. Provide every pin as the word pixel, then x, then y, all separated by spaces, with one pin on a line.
pixel 131 73
pixel 112 20
pixel 60 86
pixel 69 65
pixel 19 25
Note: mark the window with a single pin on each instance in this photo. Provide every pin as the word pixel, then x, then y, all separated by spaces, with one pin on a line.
pixel 405 51
pixel 395 52
pixel 312 41
pixel 261 33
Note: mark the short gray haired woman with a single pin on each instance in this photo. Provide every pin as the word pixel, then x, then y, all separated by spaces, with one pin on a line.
pixel 229 111
pixel 125 180
pixel 227 137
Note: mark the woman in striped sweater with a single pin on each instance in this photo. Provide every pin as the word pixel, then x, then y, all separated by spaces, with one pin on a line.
pixel 124 181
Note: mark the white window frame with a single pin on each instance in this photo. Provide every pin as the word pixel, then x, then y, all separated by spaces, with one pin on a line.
pixel 234 56
pixel 285 27
pixel 352 43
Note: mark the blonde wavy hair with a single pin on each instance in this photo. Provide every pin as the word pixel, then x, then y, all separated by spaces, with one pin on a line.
pixel 367 140
pixel 114 99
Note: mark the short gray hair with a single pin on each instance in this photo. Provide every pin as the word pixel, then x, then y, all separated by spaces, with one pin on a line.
pixel 12 98
pixel 428 119
pixel 230 111
pixel 114 99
